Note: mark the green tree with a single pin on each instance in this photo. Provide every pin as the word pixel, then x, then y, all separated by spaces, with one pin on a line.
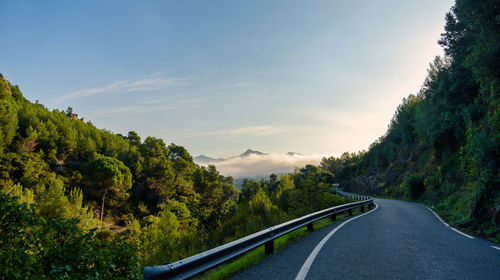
pixel 52 202
pixel 133 138
pixel 249 188
pixel 110 176
pixel 8 114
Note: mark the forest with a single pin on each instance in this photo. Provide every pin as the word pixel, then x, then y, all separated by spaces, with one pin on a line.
pixel 78 202
pixel 442 147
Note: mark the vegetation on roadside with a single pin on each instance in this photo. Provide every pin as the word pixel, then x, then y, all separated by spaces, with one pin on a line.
pixel 254 257
pixel 442 147
pixel 79 202
pixel 102 190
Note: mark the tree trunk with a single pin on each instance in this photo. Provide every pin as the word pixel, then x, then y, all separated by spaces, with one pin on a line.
pixel 102 206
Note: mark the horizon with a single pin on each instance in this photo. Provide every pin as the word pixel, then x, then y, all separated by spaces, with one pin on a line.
pixel 313 78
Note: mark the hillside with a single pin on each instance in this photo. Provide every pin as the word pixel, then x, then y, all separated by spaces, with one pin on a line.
pixel 91 201
pixel 442 147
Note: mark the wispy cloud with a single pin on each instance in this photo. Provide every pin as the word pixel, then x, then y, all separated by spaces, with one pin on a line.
pixel 155 105
pixel 234 85
pixel 122 109
pixel 248 130
pixel 127 86
pixel 265 97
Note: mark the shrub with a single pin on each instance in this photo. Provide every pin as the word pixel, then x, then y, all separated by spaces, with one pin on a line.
pixel 34 248
pixel 414 186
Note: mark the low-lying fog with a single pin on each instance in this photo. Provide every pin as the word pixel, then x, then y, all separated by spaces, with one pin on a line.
pixel 255 165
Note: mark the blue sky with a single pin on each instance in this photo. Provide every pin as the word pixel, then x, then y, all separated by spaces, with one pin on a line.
pixel 218 77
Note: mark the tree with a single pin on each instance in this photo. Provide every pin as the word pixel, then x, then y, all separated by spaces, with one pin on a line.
pixel 134 138
pixel 8 114
pixel 249 188
pixel 110 176
pixel 52 202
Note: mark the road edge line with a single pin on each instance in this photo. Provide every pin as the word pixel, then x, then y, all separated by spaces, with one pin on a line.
pixel 447 225
pixel 307 264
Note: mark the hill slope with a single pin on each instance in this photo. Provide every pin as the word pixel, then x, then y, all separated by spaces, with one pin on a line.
pixel 443 144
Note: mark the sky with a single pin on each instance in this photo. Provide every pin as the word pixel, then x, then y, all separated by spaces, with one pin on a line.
pixel 218 77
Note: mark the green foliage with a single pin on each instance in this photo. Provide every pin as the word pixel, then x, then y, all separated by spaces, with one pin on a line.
pixel 110 177
pixel 158 238
pixel 249 188
pixel 76 209
pixel 51 201
pixel 33 247
pixel 24 195
pixel 414 186
pixel 449 132
pixel 153 195
pixel 105 235
pixel 441 147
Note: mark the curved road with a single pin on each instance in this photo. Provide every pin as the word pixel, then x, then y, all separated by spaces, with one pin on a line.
pixel 398 240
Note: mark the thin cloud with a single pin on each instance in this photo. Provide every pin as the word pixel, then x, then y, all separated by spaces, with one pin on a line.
pixel 249 130
pixel 122 109
pixel 234 85
pixel 147 106
pixel 128 86
pixel 265 97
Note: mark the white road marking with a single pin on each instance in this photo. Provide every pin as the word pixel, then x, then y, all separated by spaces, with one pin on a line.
pixel 495 247
pixel 447 225
pixel 466 235
pixel 307 264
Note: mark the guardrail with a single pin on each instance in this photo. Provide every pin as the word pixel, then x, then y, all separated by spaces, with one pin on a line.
pixel 201 262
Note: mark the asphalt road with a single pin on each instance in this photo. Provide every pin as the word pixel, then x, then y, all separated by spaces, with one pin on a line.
pixel 398 240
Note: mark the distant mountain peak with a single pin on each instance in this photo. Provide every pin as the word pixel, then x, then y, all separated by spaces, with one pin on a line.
pixel 251 152
pixel 203 159
pixel 203 156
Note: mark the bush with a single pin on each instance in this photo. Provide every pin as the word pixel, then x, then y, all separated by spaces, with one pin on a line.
pixel 105 235
pixel 34 248
pixel 414 186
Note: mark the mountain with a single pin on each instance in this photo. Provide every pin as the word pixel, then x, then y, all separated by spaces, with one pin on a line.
pixel 252 152
pixel 202 159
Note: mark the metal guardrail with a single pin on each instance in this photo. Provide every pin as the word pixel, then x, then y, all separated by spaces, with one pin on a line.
pixel 201 262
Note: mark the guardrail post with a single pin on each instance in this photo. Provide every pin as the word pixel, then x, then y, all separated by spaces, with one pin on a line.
pixel 269 247
pixel 363 209
pixel 310 227
pixel 334 217
pixel 350 212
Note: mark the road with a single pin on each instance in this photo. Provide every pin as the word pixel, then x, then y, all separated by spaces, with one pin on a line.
pixel 397 240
